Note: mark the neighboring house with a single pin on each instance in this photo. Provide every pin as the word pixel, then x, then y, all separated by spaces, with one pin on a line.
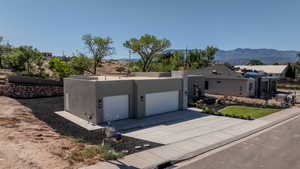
pixel 221 80
pixel 265 86
pixel 108 98
pixel 277 71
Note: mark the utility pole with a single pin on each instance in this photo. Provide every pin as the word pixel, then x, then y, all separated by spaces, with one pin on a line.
pixel 185 60
pixel 129 61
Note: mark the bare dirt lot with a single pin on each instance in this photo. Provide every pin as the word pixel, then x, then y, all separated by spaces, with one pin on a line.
pixel 29 143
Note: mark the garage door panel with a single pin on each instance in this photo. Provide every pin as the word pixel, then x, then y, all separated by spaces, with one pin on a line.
pixel 115 107
pixel 161 102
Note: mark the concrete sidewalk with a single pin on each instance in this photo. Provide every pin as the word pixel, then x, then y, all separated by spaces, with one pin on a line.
pixel 185 149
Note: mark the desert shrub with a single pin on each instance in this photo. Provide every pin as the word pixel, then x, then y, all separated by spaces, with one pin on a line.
pixel 220 101
pixel 212 110
pixel 82 153
pixel 206 109
pixel 111 155
pixel 76 155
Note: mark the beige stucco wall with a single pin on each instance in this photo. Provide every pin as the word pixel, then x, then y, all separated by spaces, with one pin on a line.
pixel 229 87
pixel 143 87
pixel 80 98
pixel 84 98
pixel 114 88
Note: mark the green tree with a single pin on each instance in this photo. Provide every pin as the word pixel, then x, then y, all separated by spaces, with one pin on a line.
pixel 290 71
pixel 4 49
pixel 22 58
pixel 227 64
pixel 60 68
pixel 168 61
pixel 196 59
pixel 210 52
pixel 39 62
pixel 255 62
pixel 135 66
pixel 1 52
pixel 99 48
pixel 120 69
pixel 148 47
pixel 81 63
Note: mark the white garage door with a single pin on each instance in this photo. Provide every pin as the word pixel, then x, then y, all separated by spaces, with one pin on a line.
pixel 161 102
pixel 115 107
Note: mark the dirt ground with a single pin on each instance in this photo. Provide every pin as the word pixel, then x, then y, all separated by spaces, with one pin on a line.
pixel 29 143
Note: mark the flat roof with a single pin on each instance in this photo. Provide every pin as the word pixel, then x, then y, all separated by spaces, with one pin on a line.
pixel 114 78
pixel 108 78
pixel 271 69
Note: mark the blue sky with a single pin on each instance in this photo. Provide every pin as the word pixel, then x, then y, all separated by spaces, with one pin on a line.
pixel 57 25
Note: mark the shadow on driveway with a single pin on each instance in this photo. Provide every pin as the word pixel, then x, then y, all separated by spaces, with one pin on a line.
pixel 170 118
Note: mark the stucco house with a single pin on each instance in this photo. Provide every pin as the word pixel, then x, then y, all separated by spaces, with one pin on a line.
pixel 221 80
pixel 265 85
pixel 99 99
pixel 107 98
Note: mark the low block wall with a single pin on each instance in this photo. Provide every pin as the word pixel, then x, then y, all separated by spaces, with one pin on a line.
pixel 151 74
pixel 24 80
pixel 30 91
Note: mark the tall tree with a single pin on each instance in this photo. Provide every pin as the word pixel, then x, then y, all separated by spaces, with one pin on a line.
pixel 168 61
pixel 210 52
pixel 1 52
pixel 81 64
pixel 148 47
pixel 22 58
pixel 255 62
pixel 60 68
pixel 290 71
pixel 196 59
pixel 99 48
pixel 39 61
pixel 4 49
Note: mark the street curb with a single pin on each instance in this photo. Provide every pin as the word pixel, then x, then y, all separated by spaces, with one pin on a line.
pixel 222 143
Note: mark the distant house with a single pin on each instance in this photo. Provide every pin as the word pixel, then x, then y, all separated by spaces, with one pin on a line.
pixel 265 85
pixel 277 71
pixel 221 80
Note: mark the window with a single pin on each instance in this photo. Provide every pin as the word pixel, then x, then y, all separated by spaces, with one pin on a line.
pixel 206 85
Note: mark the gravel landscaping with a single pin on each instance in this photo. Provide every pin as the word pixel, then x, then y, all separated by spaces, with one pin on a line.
pixel 35 137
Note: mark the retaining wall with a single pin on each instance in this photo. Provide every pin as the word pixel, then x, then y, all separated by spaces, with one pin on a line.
pixel 30 91
pixel 33 81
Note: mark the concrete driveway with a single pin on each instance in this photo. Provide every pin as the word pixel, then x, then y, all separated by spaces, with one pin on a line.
pixel 173 127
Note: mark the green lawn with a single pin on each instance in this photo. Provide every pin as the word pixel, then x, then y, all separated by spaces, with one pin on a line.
pixel 245 111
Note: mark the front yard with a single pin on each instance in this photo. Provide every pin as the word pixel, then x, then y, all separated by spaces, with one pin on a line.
pixel 245 111
pixel 32 136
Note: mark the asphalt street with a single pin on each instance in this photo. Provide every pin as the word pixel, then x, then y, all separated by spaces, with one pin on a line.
pixel 277 148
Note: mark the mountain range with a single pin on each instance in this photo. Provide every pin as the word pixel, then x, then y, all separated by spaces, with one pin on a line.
pixel 242 56
pixel 267 56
